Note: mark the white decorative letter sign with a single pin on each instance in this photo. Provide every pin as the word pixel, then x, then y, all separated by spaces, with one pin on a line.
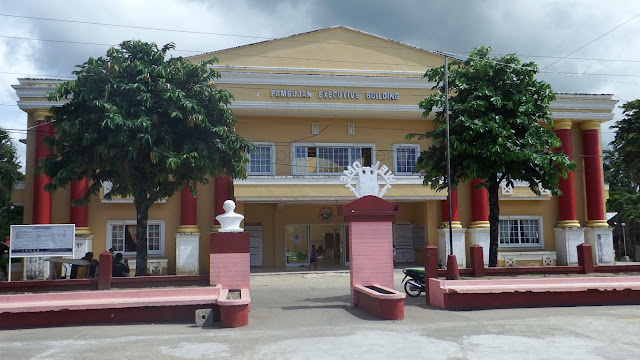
pixel 367 182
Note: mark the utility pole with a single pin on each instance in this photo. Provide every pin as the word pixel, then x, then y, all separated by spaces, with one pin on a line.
pixel 624 241
pixel 446 114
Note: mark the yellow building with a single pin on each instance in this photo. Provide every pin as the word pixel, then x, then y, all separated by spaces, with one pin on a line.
pixel 314 103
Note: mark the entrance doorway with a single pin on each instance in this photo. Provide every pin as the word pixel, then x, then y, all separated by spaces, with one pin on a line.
pixel 330 240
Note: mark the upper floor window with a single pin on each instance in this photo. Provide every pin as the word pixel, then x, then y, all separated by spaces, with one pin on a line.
pixel 328 158
pixel 262 161
pixel 121 236
pixel 404 158
pixel 522 231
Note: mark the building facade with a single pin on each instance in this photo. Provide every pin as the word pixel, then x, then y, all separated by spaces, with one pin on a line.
pixel 313 104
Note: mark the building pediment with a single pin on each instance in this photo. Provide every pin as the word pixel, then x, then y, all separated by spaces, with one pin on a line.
pixel 328 50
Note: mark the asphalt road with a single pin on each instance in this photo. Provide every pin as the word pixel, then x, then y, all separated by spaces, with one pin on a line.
pixel 308 316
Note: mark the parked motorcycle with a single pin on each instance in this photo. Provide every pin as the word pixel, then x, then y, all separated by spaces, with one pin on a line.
pixel 413 282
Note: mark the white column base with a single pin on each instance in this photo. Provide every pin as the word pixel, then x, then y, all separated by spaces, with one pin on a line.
pixel 601 241
pixel 459 246
pixel 187 253
pixel 480 236
pixel 82 245
pixel 567 240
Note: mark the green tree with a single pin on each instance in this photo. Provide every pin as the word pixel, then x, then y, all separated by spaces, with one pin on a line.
pixel 622 165
pixel 9 175
pixel 500 130
pixel 145 123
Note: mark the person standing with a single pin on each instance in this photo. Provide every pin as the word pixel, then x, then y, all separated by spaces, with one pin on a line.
pixel 314 256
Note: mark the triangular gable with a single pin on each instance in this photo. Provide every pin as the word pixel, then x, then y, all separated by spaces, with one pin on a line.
pixel 337 47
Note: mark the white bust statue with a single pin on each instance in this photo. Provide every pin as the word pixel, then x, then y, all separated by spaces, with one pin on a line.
pixel 230 221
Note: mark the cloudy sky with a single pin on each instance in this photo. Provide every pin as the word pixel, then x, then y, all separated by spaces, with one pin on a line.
pixel 589 46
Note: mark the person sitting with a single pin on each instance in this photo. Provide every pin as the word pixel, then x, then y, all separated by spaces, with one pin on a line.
pixel 92 267
pixel 120 267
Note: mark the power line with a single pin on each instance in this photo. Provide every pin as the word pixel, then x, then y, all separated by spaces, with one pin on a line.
pixel 135 27
pixel 312 59
pixel 591 42
pixel 584 75
pixel 576 58
pixel 288 38
pixel 32 74
pixel 204 52
pixel 459 52
pixel 554 72
pixel 53 40
pixel 559 58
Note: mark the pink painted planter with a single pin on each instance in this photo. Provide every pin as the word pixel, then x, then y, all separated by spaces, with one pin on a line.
pixel 380 301
pixel 234 313
pixel 503 293
pixel 98 307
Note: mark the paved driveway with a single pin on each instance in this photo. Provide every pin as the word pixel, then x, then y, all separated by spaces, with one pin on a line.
pixel 307 316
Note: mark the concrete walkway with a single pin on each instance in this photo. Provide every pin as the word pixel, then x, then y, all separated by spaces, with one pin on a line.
pixel 307 316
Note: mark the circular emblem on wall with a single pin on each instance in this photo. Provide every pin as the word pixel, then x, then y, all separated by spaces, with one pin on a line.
pixel 326 214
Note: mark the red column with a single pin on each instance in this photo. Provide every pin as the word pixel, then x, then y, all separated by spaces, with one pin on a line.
pixel 222 194
pixel 455 222
pixel 593 174
pixel 79 214
pixel 188 212
pixel 41 199
pixel 566 201
pixel 479 205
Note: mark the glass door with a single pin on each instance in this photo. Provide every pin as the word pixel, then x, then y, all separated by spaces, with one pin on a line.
pixel 329 240
pixel 297 244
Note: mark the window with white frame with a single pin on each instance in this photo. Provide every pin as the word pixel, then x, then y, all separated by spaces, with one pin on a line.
pixel 262 160
pixel 328 159
pixel 121 236
pixel 404 158
pixel 520 231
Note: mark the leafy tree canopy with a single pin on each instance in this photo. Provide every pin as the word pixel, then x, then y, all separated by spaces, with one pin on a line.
pixel 9 175
pixel 145 123
pixel 500 129
pixel 622 165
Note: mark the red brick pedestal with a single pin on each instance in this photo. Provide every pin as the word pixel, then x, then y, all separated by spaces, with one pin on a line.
pixel 370 220
pixel 229 268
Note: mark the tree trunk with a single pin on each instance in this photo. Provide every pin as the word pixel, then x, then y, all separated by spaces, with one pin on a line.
pixel 142 214
pixel 494 220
